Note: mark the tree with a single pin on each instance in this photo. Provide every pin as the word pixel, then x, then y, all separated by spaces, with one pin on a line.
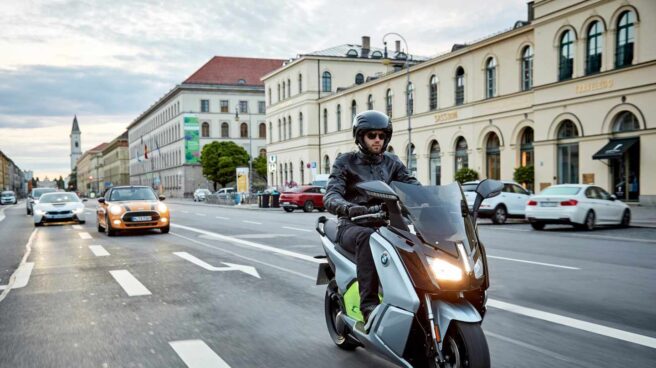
pixel 72 180
pixel 60 182
pixel 466 174
pixel 525 175
pixel 260 166
pixel 220 160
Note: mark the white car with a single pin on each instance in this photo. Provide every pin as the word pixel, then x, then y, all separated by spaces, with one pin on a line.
pixel 201 194
pixel 581 205
pixel 8 197
pixel 511 203
pixel 225 193
pixel 58 207
pixel 34 196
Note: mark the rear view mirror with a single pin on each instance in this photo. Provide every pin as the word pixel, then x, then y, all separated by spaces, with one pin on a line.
pixel 100 200
pixel 489 188
pixel 161 198
pixel 378 189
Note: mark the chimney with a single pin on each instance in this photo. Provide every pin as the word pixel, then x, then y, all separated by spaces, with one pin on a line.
pixel 398 46
pixel 366 40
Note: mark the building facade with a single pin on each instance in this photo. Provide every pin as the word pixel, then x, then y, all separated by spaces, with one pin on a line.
pixel 567 91
pixel 115 162
pixel 11 176
pixel 222 101
pixel 90 171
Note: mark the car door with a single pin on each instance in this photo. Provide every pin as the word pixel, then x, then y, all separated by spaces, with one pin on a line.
pixel 506 197
pixel 520 198
pixel 597 204
pixel 614 208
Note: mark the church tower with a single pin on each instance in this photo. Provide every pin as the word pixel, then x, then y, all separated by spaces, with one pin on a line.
pixel 76 144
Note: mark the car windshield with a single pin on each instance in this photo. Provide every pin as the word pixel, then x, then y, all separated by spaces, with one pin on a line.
pixel 469 187
pixel 37 193
pixel 7 194
pixel 133 194
pixel 561 191
pixel 437 214
pixel 59 198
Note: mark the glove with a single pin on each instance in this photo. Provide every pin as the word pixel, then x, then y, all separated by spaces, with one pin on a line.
pixel 357 210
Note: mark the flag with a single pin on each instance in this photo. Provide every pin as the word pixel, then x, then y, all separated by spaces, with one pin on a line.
pixel 157 144
pixel 146 151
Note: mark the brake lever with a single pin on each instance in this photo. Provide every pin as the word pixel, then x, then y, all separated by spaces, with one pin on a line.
pixel 378 215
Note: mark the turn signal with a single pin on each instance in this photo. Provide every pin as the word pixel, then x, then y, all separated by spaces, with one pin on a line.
pixel 437 333
pixel 532 203
pixel 571 202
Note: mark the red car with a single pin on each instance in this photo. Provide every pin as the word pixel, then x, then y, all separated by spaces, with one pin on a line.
pixel 306 197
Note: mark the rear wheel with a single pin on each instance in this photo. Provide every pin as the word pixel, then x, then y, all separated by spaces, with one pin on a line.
pixel 308 206
pixel 465 346
pixel 626 218
pixel 537 225
pixel 288 209
pixel 500 214
pixel 332 308
pixel 589 222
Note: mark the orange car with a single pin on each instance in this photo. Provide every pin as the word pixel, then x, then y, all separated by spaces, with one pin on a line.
pixel 131 207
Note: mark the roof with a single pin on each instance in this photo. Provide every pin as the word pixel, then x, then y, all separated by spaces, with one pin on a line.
pixel 343 51
pixel 99 147
pixel 76 127
pixel 234 71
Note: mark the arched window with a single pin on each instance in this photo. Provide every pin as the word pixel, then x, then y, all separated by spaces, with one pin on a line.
pixel 435 164
pixel 388 102
pixel 527 68
pixel 262 129
pixel 289 88
pixel 225 130
pixel 568 154
pixel 289 127
pixel 526 147
pixel 410 103
pixel 205 130
pixel 279 130
pixel 460 86
pixel 291 174
pixel 300 124
pixel 278 91
pixel 326 164
pixel 284 94
pixel 243 130
pixel 326 85
pixel 300 83
pixel 593 49
pixel 359 78
pixel 624 40
pixel 462 158
pixel 493 157
pixel 626 121
pixel 286 182
pixel 262 152
pixel 270 132
pixel 339 117
pixel 284 128
pixel 432 93
pixel 370 102
pixel 412 159
pixel 490 78
pixel 354 109
pixel 325 121
pixel 566 65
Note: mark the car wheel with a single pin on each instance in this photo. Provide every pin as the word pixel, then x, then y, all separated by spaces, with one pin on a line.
pixel 108 228
pixel 537 225
pixel 500 214
pixel 626 218
pixel 165 230
pixel 589 222
pixel 308 206
pixel 100 228
pixel 37 224
pixel 288 209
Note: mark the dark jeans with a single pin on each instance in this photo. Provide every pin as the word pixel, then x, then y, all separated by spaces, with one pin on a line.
pixel 355 239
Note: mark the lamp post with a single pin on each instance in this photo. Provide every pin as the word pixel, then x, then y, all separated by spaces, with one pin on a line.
pixel 407 91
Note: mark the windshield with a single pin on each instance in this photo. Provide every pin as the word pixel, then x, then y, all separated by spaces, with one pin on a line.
pixel 469 187
pixel 59 198
pixel 133 194
pixel 436 213
pixel 561 191
pixel 37 193
pixel 7 194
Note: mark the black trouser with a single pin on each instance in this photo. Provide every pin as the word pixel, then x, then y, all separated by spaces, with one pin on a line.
pixel 355 239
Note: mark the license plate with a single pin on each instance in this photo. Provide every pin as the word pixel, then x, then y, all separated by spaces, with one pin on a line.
pixel 285 203
pixel 58 216
pixel 548 204
pixel 142 218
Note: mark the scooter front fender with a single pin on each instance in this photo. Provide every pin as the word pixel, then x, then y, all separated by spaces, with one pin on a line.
pixel 444 312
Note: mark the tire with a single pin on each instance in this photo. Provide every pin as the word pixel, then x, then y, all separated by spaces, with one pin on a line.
pixel 626 218
pixel 465 346
pixel 100 228
pixel 165 230
pixel 38 224
pixel 322 209
pixel 537 225
pixel 108 228
pixel 500 214
pixel 82 222
pixel 28 212
pixel 308 206
pixel 589 222
pixel 288 209
pixel 332 307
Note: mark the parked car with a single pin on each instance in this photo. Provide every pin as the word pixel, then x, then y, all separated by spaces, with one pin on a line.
pixel 58 207
pixel 511 203
pixel 132 208
pixel 581 205
pixel 321 180
pixel 8 197
pixel 225 193
pixel 34 196
pixel 306 197
pixel 201 194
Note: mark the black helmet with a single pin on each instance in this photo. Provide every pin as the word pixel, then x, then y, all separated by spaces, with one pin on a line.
pixel 371 120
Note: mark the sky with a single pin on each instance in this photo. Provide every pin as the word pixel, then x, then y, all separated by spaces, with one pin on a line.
pixel 108 61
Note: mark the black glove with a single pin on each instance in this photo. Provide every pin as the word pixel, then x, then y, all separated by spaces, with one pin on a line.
pixel 357 210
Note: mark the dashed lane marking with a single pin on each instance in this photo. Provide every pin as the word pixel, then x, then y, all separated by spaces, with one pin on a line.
pixel 85 236
pixel 129 283
pixel 77 227
pixel 196 354
pixel 200 214
pixel 570 234
pixel 99 250
pixel 222 218
pixel 252 222
pixel 536 263
pixel 20 276
pixel 297 229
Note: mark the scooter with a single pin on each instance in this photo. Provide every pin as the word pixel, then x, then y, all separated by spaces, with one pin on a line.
pixel 433 275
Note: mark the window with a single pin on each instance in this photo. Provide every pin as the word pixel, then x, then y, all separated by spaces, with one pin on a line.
pixel 462 159
pixel 490 78
pixel 568 154
pixel 77 144
pixel 339 117
pixel 624 122
pixel 326 82
pixel 284 128
pixel 261 108
pixel 262 152
pixel 300 83
pixel 435 164
pixel 410 92
pixel 278 91
pixel 325 121
pixel 289 127
pixel 359 78
pixel 460 86
pixel 225 130
pixel 243 130
pixel 284 94
pixel 388 103
pixel 593 49
pixel 279 130
pixel 526 148
pixel 289 88
pixel 527 68
pixel 262 129
pixel 432 93
pixel 300 124
pixel 567 129
pixel 205 129
pixel 326 164
pixel 412 159
pixel 302 167
pixel 493 157
pixel 566 56
pixel 269 96
pixel 224 106
pixel 624 40
pixel 370 102
pixel 243 106
pixel 270 132
pixel 204 105
pixel 354 109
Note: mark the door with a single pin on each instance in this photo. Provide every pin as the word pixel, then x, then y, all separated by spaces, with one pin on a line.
pixel 520 198
pixel 597 203
pixel 615 208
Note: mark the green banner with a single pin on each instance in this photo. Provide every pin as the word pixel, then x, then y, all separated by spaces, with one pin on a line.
pixel 192 139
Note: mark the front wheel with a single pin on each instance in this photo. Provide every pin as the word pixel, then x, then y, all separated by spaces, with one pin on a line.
pixel 308 206
pixel 288 209
pixel 165 230
pixel 332 308
pixel 626 218
pixel 500 215
pixel 465 346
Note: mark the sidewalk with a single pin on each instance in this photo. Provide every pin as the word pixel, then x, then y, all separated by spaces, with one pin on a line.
pixel 643 216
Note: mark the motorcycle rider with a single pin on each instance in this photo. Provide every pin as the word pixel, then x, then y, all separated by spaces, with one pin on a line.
pixel 372 131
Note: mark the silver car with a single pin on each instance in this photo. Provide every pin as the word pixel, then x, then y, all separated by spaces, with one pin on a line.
pixel 34 196
pixel 8 197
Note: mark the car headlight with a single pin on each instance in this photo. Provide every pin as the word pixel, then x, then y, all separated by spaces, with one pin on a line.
pixel 161 207
pixel 78 210
pixel 40 212
pixel 115 210
pixel 444 271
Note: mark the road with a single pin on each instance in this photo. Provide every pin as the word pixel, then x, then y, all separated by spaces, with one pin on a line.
pixel 236 288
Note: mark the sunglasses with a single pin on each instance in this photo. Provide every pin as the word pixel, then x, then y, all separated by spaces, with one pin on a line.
pixel 373 135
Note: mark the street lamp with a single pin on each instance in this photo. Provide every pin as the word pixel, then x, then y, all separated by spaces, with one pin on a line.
pixel 407 91
pixel 250 148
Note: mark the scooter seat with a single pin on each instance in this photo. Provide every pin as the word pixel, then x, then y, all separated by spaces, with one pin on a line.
pixel 330 228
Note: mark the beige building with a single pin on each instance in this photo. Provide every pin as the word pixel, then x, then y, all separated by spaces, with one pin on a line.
pixel 567 91
pixel 90 171
pixel 116 160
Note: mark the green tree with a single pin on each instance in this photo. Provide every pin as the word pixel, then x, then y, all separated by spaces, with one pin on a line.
pixel 72 180
pixel 466 174
pixel 60 182
pixel 220 160
pixel 525 175
pixel 260 166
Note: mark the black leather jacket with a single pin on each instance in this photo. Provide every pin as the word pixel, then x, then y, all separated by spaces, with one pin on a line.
pixel 355 167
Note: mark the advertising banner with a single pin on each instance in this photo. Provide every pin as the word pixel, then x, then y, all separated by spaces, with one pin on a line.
pixel 242 179
pixel 192 139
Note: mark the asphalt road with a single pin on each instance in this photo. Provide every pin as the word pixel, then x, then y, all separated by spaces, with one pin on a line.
pixel 236 288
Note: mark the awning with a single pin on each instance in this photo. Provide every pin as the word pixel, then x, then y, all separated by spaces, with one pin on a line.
pixel 615 148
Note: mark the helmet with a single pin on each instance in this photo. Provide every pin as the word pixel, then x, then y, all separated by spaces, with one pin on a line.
pixel 371 120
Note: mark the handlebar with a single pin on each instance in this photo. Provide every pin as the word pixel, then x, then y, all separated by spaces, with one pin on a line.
pixel 378 215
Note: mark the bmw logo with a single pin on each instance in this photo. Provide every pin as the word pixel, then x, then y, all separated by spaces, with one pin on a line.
pixel 385 259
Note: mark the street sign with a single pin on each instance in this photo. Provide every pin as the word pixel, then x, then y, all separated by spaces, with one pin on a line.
pixel 314 164
pixel 272 159
pixel 272 167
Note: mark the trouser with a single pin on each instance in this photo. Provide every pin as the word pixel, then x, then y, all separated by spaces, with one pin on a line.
pixel 355 239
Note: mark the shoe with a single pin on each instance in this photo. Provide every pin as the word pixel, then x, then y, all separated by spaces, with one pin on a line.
pixel 366 312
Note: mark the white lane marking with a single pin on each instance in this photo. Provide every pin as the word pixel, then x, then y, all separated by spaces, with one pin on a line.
pixel 575 323
pixel 252 222
pixel 568 234
pixel 200 214
pixel 77 227
pixel 297 229
pixel 250 244
pixel 14 276
pixel 129 283
pixel 536 263
pixel 98 250
pixel 85 235
pixel 185 211
pixel 22 276
pixel 244 257
pixel 231 266
pixel 222 218
pixel 196 354
pixel 262 236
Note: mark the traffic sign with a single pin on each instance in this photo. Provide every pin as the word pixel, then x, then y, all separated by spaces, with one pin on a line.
pixel 272 159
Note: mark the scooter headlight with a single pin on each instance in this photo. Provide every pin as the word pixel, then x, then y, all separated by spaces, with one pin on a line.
pixel 445 271
pixel 115 210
